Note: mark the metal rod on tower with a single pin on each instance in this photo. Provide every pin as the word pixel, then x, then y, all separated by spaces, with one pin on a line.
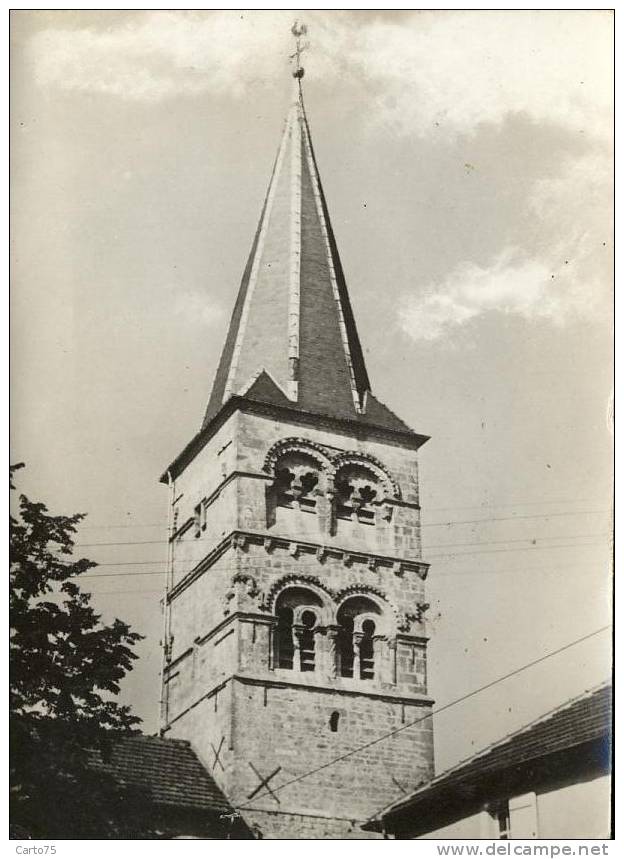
pixel 298 30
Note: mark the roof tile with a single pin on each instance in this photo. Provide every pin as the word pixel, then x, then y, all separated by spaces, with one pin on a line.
pixel 580 721
pixel 167 770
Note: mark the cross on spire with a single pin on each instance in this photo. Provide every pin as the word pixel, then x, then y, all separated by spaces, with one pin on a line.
pixel 292 340
pixel 298 30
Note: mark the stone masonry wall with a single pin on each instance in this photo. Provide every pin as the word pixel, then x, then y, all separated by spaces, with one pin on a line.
pixel 295 722
pixel 225 693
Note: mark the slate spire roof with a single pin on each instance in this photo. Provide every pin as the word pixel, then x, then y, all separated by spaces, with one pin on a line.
pixel 292 339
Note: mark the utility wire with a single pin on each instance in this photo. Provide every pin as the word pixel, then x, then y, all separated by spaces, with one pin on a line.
pixel 518 549
pixel 314 564
pixel 514 518
pixel 424 525
pixel 426 509
pixel 439 574
pixel 432 546
pixel 562 501
pixel 134 592
pixel 433 712
pixel 536 541
pixel 533 540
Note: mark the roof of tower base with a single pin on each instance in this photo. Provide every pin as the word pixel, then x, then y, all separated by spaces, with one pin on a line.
pixel 265 398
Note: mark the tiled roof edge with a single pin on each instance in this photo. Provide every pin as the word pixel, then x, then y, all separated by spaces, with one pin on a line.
pixel 560 708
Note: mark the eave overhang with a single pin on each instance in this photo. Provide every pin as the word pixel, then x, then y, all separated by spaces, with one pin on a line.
pixel 358 427
pixel 444 801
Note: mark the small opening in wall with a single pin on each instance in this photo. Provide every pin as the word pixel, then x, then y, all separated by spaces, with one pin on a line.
pixel 333 721
pixel 306 642
pixel 367 653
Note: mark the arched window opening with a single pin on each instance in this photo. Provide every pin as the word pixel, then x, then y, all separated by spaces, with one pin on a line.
pixel 296 479
pixel 367 652
pixel 357 490
pixel 359 617
pixel 346 651
pixel 285 647
pixel 299 611
pixel 333 721
pixel 306 641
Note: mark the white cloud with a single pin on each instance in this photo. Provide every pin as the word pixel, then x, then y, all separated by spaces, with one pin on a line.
pixel 462 68
pixel 509 285
pixel 454 68
pixel 561 272
pixel 194 309
pixel 160 55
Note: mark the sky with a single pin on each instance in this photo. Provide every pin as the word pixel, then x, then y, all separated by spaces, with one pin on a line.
pixel 467 162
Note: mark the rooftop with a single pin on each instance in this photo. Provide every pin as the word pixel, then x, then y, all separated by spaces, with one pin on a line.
pixel 573 726
pixel 166 771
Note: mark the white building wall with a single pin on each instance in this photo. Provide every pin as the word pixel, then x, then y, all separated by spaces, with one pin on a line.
pixel 576 811
pixel 579 810
pixel 476 826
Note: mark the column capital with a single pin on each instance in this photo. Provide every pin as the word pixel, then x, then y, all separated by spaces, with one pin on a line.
pixel 332 630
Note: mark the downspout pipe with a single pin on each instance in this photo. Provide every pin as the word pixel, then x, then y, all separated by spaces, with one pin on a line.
pixel 163 706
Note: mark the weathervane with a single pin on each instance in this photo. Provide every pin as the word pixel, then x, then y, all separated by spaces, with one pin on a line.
pixel 298 30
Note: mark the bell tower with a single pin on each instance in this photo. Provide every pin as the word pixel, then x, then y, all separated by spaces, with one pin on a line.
pixel 295 641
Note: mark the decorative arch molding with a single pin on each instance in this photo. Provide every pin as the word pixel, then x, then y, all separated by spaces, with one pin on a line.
pixel 241 584
pixel 409 619
pixel 248 581
pixel 336 598
pixel 294 444
pixel 367 461
pixel 361 590
pixel 313 583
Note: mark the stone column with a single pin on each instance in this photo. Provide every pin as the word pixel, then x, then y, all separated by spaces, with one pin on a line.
pixel 357 640
pixel 330 507
pixel 331 656
pixel 379 658
pixel 392 661
pixel 296 490
pixel 271 655
pixel 298 630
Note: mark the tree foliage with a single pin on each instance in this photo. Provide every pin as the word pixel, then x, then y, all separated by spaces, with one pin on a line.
pixel 65 669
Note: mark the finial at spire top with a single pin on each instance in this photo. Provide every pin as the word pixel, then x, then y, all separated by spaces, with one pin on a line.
pixel 298 30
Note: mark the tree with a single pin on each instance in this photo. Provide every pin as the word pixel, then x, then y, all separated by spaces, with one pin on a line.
pixel 65 668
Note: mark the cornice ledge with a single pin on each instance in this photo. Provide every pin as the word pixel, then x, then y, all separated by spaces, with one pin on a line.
pixel 358 429
pixel 267 680
pixel 240 539
pixel 408 638
pixel 323 550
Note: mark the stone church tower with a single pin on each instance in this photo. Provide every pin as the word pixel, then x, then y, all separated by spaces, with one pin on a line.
pixel 294 629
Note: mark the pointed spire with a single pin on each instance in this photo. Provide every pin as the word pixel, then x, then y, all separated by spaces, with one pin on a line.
pixel 292 338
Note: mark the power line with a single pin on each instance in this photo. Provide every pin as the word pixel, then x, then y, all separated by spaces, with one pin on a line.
pixel 134 563
pixel 112 527
pixel 433 712
pixel 425 524
pixel 165 542
pixel 123 543
pixel 117 575
pixel 534 547
pixel 426 509
pixel 136 591
pixel 518 549
pixel 533 540
pixel 562 501
pixel 514 518
pixel 439 573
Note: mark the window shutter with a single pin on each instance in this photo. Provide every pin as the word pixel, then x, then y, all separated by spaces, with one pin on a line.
pixel 523 816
